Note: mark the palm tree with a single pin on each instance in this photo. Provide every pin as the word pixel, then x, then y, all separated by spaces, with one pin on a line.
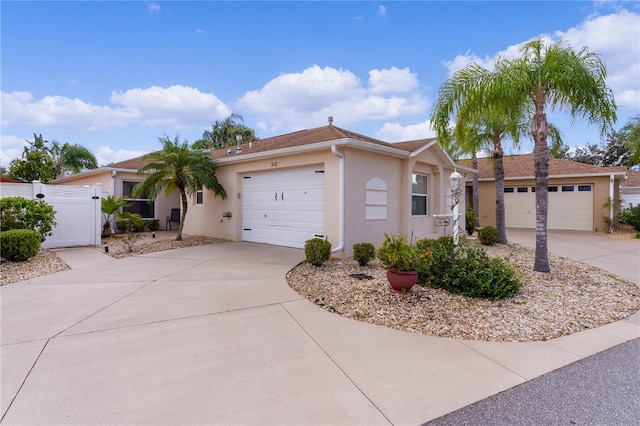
pixel 182 167
pixel 69 158
pixel 478 126
pixel 552 75
pixel 224 133
pixel 110 205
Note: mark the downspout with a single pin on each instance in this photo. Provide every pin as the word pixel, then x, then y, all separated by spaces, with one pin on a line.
pixel 611 202
pixel 340 155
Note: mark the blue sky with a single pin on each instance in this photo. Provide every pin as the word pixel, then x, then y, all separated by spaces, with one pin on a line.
pixel 115 76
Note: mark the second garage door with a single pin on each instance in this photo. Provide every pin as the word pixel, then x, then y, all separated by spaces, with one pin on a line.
pixel 283 207
pixel 570 207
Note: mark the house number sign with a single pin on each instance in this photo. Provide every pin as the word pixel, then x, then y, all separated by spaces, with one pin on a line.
pixel 443 221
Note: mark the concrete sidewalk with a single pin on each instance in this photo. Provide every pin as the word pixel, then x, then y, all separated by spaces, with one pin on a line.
pixel 214 335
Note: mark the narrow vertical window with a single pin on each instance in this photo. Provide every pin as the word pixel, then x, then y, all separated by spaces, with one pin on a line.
pixel 418 195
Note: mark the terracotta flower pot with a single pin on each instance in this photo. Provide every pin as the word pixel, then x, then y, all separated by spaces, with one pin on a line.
pixel 401 281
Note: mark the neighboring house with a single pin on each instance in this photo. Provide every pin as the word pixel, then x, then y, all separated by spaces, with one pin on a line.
pixel 329 183
pixel 118 179
pixel 630 189
pixel 578 193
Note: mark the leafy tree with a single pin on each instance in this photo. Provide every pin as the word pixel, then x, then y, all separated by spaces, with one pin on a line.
pixel 34 165
pixel 588 154
pixel 68 159
pixel 179 166
pixel 224 133
pixel 555 76
pixel 630 135
pixel 42 162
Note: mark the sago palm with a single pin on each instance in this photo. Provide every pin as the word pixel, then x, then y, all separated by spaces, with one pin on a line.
pixel 181 167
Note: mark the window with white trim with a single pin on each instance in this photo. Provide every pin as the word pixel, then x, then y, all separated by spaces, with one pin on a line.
pixel 140 205
pixel 199 196
pixel 418 195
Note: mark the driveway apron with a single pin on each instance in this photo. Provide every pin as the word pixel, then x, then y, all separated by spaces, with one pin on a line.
pixel 214 335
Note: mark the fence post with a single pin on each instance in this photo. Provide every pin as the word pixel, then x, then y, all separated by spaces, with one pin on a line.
pixel 37 190
pixel 97 228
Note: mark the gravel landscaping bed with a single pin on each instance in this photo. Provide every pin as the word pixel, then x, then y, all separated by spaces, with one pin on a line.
pixel 572 298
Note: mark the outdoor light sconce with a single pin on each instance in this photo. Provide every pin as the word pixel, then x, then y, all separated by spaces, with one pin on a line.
pixel 454 181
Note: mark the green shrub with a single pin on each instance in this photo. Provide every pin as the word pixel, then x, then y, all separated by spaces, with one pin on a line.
pixel 20 213
pixel 636 235
pixel 488 235
pixel 19 244
pixel 363 253
pixel 152 224
pixel 130 222
pixel 631 216
pixel 470 219
pixel 395 253
pixel 471 272
pixel 317 251
pixel 124 226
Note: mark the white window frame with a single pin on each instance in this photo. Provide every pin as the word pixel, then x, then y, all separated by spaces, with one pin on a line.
pixel 424 195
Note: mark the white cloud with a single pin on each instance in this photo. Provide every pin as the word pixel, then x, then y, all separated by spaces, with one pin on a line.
pixel 393 80
pixel 176 106
pixel 200 31
pixel 107 155
pixel 153 7
pixel 615 38
pixel 60 112
pixel 11 147
pixel 382 10
pixel 394 132
pixel 301 100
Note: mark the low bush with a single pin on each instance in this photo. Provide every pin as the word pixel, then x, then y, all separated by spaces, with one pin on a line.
pixel 124 226
pixel 470 272
pixel 488 235
pixel 470 220
pixel 631 216
pixel 363 253
pixel 130 222
pixel 20 213
pixel 19 244
pixel 317 251
pixel 152 224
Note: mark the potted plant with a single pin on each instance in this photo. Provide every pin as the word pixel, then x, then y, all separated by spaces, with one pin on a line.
pixel 401 260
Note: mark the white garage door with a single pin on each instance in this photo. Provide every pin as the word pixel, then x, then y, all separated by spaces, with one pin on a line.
pixel 570 207
pixel 283 207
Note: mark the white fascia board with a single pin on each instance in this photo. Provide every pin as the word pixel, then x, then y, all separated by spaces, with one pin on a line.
pixel 314 147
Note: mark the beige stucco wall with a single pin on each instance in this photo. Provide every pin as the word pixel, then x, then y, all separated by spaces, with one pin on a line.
pixel 487 196
pixel 207 219
pixel 360 167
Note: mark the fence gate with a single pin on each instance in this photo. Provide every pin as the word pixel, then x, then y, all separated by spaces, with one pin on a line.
pixel 77 209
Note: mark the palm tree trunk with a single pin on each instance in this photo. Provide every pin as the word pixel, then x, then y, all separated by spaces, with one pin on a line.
pixel 183 199
pixel 539 130
pixel 476 202
pixel 498 168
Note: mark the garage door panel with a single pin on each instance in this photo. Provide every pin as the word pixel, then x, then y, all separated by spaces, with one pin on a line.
pixel 567 210
pixel 283 207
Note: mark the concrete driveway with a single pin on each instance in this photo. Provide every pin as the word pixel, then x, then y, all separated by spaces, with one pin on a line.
pixel 214 335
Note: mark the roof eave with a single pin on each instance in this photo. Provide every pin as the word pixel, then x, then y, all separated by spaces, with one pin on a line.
pixel 367 146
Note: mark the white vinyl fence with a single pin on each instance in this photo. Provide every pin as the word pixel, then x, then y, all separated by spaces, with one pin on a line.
pixel 78 213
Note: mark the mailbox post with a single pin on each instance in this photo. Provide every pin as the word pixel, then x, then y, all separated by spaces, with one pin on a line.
pixel 455 180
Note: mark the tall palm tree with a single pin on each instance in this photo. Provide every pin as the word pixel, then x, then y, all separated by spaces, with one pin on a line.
pixel 182 167
pixel 69 158
pixel 555 76
pixel 224 133
pixel 478 126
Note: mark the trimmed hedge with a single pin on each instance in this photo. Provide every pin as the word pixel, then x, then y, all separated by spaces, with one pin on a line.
pixel 19 244
pixel 317 251
pixel 363 253
pixel 488 235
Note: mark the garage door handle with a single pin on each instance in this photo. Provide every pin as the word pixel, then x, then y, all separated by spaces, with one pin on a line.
pixel 276 196
pixel 282 197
